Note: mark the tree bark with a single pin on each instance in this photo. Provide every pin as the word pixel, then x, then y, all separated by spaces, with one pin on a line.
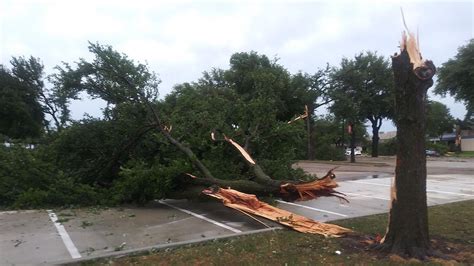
pixel 309 129
pixel 376 124
pixel 353 140
pixel 407 232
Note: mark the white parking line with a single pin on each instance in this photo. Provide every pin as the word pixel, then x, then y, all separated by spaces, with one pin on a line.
pixel 368 183
pixel 202 217
pixel 452 193
pixel 452 184
pixel 311 208
pixel 428 190
pixel 365 196
pixel 71 248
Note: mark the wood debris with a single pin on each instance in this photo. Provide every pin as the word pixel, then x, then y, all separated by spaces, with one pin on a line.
pixel 242 151
pixel 249 203
pixel 303 116
pixel 312 190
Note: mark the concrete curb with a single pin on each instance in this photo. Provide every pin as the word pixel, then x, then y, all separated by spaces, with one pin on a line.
pixel 151 249
pixel 348 163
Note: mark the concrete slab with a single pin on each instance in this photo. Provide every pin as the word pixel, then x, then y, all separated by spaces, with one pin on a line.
pixel 213 210
pixel 121 229
pixel 358 206
pixel 29 237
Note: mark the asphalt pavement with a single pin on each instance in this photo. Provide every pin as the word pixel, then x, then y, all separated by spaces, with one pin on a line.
pixel 51 236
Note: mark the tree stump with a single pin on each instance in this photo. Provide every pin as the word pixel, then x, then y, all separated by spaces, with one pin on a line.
pixel 407 232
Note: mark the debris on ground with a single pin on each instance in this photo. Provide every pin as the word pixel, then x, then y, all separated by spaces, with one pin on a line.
pixel 121 247
pixel 18 242
pixel 250 204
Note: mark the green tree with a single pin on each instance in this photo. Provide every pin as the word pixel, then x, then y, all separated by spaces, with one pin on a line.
pixel 438 119
pixel 248 102
pixel 363 91
pixel 20 110
pixel 329 142
pixel 54 100
pixel 311 91
pixel 456 77
pixel 243 107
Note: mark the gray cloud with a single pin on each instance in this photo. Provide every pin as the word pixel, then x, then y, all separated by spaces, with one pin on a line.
pixel 181 40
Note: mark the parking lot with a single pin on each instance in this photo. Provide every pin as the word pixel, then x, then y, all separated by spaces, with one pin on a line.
pixel 49 236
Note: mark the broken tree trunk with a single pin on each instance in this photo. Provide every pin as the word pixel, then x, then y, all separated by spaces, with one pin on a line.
pixel 287 190
pixel 312 190
pixel 250 204
pixel 309 129
pixel 407 232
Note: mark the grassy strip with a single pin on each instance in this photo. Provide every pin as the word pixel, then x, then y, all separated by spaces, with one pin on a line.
pixel 463 154
pixel 448 223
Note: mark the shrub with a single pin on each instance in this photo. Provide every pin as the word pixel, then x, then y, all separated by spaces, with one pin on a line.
pixel 328 152
pixel 441 148
pixel 140 182
pixel 388 148
pixel 27 181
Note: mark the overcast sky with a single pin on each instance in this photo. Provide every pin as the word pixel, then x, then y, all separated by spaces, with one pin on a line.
pixel 181 39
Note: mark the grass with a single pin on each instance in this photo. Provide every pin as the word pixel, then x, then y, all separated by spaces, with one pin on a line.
pixel 62 220
pixel 85 224
pixel 465 154
pixel 450 227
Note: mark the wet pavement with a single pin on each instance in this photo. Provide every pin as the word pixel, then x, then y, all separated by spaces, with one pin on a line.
pixel 32 237
pixel 370 195
pixel 29 238
pixel 39 237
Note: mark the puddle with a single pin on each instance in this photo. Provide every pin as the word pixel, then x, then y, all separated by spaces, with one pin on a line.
pixel 381 175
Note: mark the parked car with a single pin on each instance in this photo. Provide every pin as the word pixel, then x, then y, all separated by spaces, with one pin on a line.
pixel 432 153
pixel 356 152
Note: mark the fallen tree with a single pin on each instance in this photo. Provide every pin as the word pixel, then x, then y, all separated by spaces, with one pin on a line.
pixel 259 121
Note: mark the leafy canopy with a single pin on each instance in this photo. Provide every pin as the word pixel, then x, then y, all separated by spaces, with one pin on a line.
pixel 20 111
pixel 456 77
pixel 363 88
pixel 438 119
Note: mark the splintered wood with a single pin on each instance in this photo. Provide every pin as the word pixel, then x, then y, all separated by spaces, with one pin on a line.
pixel 250 204
pixel 410 44
pixel 241 150
pixel 424 70
pixel 303 116
pixel 312 190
